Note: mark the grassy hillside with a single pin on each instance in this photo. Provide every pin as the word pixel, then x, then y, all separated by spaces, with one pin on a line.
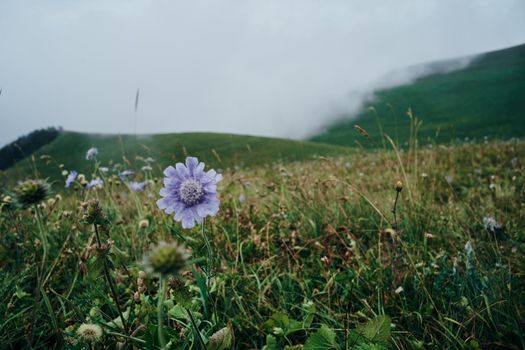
pixel 218 150
pixel 485 99
pixel 304 253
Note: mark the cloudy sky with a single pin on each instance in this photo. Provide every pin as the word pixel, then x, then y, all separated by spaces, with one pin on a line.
pixel 269 67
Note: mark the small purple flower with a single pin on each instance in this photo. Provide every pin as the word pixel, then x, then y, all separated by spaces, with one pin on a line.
pixel 95 183
pixel 189 192
pixel 125 174
pixel 91 153
pixel 136 186
pixel 70 178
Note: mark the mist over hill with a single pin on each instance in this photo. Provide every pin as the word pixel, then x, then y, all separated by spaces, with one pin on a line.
pixel 482 99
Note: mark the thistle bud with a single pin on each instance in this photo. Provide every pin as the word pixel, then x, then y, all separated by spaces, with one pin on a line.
pixel 166 258
pixel 31 192
pixel 399 186
pixel 93 213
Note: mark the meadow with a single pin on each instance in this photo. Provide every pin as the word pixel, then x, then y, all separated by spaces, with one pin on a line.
pixel 418 248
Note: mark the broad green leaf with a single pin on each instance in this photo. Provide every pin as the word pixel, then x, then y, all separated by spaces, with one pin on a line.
pixel 322 339
pixel 271 343
pixel 376 330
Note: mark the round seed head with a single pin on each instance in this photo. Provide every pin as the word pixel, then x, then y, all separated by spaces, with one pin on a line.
pixel 399 186
pixel 166 258
pixel 31 192
pixel 91 333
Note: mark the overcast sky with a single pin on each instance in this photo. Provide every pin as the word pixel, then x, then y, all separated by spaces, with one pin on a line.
pixel 270 67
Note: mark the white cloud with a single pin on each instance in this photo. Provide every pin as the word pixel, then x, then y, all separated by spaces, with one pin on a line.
pixel 275 67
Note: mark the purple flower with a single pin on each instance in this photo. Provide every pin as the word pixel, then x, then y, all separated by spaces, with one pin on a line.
pixel 70 178
pixel 125 174
pixel 95 183
pixel 91 153
pixel 137 186
pixel 189 192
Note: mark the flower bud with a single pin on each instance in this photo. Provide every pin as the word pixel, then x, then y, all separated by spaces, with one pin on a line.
pixel 399 186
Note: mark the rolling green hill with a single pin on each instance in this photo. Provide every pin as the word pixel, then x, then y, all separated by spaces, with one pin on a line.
pixel 487 98
pixel 218 150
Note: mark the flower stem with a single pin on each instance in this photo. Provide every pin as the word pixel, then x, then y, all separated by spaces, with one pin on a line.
pixel 160 316
pixel 196 329
pixel 209 263
pixel 110 283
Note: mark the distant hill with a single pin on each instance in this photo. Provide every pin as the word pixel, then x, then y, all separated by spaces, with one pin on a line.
pixel 487 98
pixel 218 150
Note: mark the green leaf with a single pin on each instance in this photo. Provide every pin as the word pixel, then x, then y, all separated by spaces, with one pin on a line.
pixel 323 339
pixel 271 343
pixel 278 320
pixel 376 330
pixel 20 293
pixel 182 296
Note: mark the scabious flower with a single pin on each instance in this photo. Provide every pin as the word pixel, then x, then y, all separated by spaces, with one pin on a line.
pixel 31 192
pixel 189 192
pixel 70 178
pixel 137 186
pixel 166 258
pixel 125 174
pixel 90 332
pixel 95 183
pixel 91 153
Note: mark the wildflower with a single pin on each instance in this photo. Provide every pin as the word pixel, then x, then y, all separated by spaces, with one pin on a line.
pixel 93 213
pixel 95 183
pixel 70 178
pixel 399 186
pixel 31 192
pixel 64 172
pixel 449 179
pixel 90 332
pixel 492 187
pixel 103 169
pixel 166 258
pixel 146 168
pixel 242 198
pixel 189 192
pixel 137 186
pixel 143 224
pixel 399 290
pixel 91 153
pixel 6 203
pixel 125 174
pixel 348 165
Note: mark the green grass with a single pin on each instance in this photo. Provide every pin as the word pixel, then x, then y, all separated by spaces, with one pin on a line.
pixel 219 150
pixel 484 99
pixel 309 257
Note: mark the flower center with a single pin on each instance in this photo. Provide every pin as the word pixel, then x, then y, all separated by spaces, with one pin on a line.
pixel 191 192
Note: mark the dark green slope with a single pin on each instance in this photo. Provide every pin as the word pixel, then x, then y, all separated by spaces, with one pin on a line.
pixel 217 150
pixel 485 99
